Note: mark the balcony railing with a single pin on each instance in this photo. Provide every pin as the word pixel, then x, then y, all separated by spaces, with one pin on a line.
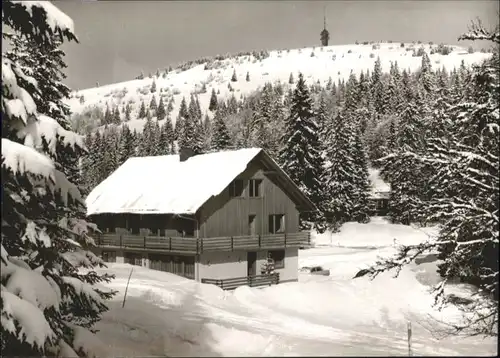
pixel 252 281
pixel 199 245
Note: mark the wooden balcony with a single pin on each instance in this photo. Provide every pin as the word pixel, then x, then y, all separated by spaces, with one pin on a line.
pixel 189 245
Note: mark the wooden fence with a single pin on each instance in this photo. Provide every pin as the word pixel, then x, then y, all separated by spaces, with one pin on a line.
pixel 252 281
pixel 189 245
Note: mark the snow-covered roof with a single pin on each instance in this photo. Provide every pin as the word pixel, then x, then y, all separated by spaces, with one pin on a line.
pixel 165 185
pixel 378 188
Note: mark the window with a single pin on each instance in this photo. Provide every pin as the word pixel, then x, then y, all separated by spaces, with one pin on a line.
pixel 276 223
pixel 278 257
pixel 236 188
pixel 109 256
pixel 254 188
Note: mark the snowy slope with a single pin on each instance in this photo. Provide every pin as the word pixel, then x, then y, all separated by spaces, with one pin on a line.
pixel 276 67
pixel 317 316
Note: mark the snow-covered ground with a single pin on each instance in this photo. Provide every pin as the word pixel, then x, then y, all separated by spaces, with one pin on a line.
pixel 336 315
pixel 317 64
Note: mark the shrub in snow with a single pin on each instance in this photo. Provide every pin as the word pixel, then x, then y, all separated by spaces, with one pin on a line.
pixel 267 267
pixel 444 50
pixel 372 55
pixel 48 304
pixel 349 51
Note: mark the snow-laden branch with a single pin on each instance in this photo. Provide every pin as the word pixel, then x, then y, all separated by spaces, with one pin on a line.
pixel 478 32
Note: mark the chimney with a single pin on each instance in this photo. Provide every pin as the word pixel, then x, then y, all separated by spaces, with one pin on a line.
pixel 186 153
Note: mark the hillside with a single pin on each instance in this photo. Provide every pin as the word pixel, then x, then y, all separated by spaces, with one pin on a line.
pixel 315 63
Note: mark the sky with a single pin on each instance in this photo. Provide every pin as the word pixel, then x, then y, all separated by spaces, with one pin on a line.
pixel 119 39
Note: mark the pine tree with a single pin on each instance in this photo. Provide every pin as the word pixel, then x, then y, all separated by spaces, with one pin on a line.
pixel 213 101
pixel 152 105
pixel 45 238
pixel 128 110
pixel 126 145
pixel 163 141
pixel 199 115
pixel 116 115
pixel 170 135
pixel 108 116
pixel 220 135
pixel 361 182
pixel 426 76
pixel 192 110
pixel 147 138
pixel 234 78
pixel 351 95
pixel 142 111
pixel 161 113
pixel 340 184
pixel 378 87
pixel 190 136
pixel 400 168
pixel 156 145
pixel 301 153
pixel 183 110
pixel 170 106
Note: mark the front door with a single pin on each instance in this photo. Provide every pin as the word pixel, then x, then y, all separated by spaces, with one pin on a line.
pixel 252 263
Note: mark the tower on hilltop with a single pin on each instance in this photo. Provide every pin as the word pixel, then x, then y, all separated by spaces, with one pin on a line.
pixel 324 35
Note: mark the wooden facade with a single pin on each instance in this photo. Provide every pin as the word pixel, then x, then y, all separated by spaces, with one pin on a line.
pixel 224 215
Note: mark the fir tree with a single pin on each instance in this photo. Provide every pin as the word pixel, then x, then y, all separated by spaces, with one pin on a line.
pixel 248 77
pixel 170 106
pixel 116 115
pixel 378 87
pixel 108 116
pixel 198 108
pixel 161 113
pixel 152 105
pixel 361 182
pixel 142 111
pixel 291 79
pixel 126 145
pixel 153 86
pixel 183 109
pixel 340 184
pixel 213 101
pixel 128 110
pixel 301 156
pixel 220 134
pixel 234 78
pixel 45 238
